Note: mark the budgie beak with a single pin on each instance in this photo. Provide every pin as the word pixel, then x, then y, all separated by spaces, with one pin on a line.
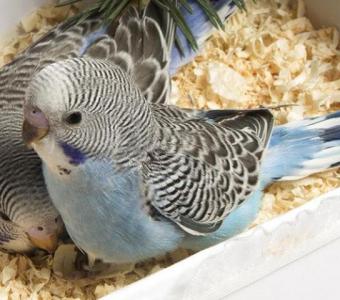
pixel 46 242
pixel 35 125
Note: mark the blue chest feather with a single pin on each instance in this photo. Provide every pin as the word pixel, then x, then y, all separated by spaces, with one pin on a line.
pixel 235 223
pixel 104 216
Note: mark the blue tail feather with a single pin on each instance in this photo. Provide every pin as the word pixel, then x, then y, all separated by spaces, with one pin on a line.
pixel 201 29
pixel 302 148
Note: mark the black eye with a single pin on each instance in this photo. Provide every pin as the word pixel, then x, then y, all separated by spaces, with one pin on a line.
pixel 73 118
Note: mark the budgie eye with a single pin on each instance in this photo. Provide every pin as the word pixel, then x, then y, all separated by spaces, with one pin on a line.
pixel 73 118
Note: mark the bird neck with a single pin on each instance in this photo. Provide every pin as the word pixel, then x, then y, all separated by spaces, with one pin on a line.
pixel 136 133
pixel 103 207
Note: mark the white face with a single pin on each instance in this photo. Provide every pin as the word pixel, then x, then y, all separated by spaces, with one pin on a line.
pixel 53 156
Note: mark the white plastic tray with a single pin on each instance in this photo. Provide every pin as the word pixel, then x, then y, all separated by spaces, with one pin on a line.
pixel 224 269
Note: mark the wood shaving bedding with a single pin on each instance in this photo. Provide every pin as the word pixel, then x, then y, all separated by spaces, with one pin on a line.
pixel 270 55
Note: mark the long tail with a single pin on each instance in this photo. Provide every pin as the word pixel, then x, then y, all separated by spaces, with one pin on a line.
pixel 201 29
pixel 302 148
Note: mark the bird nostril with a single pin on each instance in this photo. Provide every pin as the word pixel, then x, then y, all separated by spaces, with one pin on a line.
pixel 35 117
pixel 42 238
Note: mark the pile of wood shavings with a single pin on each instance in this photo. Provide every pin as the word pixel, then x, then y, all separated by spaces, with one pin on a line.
pixel 33 27
pixel 270 55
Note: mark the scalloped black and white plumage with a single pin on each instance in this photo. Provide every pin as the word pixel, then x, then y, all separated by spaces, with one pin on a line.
pixel 89 38
pixel 138 47
pixel 206 164
pixel 92 37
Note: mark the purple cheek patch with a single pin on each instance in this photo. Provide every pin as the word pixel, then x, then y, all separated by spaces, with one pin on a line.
pixel 76 157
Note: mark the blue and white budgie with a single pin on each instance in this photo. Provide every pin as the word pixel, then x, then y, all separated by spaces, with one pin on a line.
pixel 133 178
pixel 28 218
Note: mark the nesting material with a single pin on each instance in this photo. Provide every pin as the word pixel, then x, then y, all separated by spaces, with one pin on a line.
pixel 270 55
pixel 33 27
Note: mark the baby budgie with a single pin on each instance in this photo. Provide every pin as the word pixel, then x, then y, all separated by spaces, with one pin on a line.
pixel 133 178
pixel 28 218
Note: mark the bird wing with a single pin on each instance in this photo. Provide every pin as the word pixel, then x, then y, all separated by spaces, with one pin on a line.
pixel 93 37
pixel 136 43
pixel 62 42
pixel 206 164
pixel 139 48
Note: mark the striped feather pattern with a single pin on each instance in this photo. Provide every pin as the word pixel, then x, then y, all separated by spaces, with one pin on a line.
pixel 61 43
pixel 110 70
pixel 23 196
pixel 206 165
pixel 197 167
pixel 139 48
pixel 110 127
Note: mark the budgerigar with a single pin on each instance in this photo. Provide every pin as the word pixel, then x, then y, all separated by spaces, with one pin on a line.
pixel 133 178
pixel 28 218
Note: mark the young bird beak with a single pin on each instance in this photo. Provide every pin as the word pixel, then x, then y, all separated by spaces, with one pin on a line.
pixel 35 125
pixel 47 242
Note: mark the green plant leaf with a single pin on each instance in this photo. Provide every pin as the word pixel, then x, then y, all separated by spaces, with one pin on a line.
pixel 111 9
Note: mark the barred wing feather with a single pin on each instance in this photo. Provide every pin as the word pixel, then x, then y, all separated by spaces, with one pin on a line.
pixel 206 165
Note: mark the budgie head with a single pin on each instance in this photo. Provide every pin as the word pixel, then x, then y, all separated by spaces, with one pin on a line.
pixel 82 109
pixel 91 108
pixel 29 220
